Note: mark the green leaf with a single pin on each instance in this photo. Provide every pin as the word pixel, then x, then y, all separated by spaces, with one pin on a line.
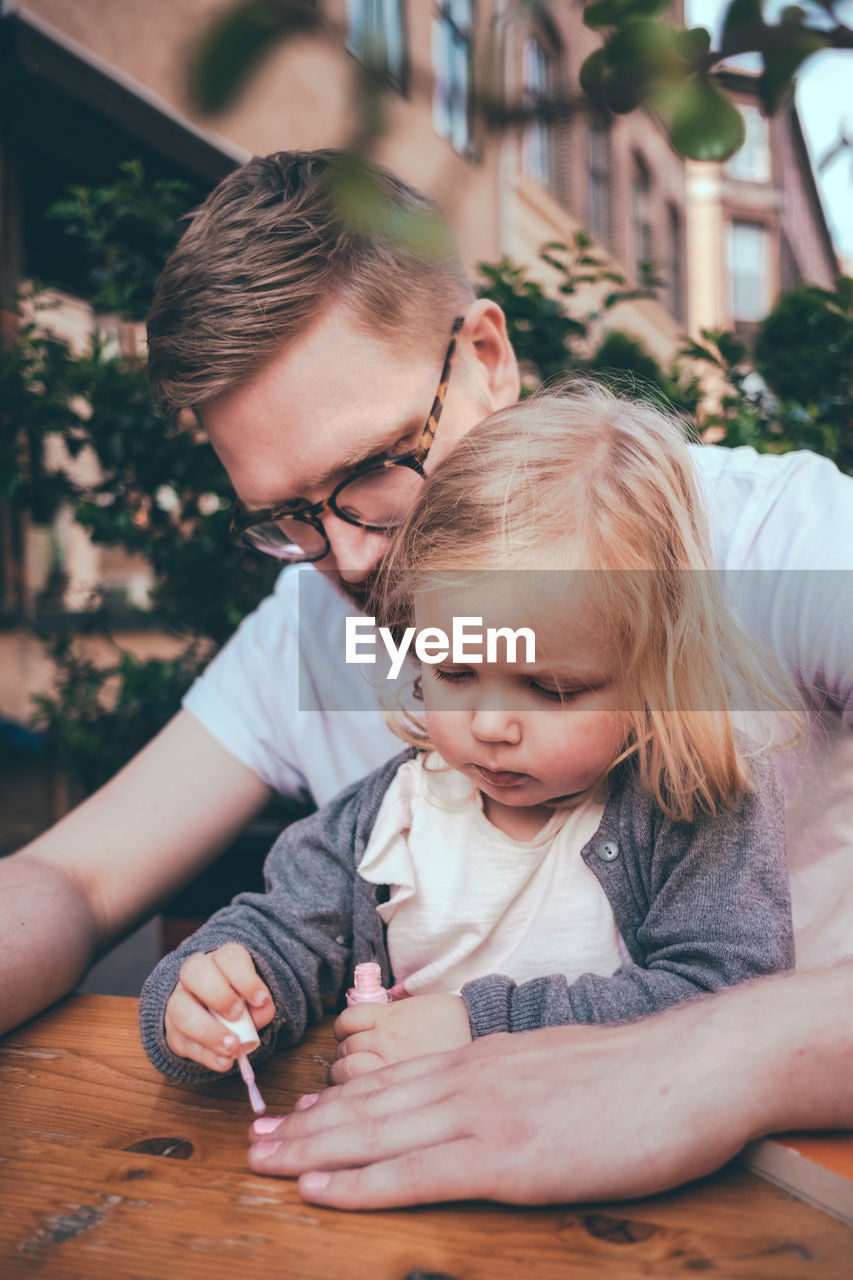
pixel 237 42
pixel 703 123
pixel 618 90
pixel 782 62
pixel 743 26
pixel 693 45
pixel 613 13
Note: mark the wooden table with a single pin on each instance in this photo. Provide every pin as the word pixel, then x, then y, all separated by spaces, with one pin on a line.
pixel 107 1170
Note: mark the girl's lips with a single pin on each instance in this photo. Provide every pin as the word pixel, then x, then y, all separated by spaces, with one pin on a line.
pixel 500 777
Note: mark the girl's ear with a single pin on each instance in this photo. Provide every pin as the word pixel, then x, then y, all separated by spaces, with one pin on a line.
pixel 485 330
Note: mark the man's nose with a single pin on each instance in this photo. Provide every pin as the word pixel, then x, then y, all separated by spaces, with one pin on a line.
pixel 355 551
pixel 496 723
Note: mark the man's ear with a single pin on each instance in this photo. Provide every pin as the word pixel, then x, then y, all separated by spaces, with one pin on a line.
pixel 485 330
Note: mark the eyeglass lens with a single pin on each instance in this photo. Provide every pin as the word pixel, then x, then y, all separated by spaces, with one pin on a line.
pixel 380 498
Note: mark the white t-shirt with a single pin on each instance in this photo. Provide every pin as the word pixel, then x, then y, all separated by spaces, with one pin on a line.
pixel 782 534
pixel 468 900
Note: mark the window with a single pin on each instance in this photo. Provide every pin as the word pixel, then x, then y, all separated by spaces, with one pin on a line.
pixel 675 263
pixel 376 35
pixel 536 149
pixel 641 206
pixel 597 158
pixel 452 56
pixel 749 294
pixel 752 162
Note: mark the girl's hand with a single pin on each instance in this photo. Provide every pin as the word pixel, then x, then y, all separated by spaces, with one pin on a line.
pixel 376 1035
pixel 225 980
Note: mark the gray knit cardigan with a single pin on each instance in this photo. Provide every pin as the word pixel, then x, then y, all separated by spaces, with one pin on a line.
pixel 700 906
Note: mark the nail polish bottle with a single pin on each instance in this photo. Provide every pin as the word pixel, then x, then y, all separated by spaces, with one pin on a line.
pixel 243 1028
pixel 368 988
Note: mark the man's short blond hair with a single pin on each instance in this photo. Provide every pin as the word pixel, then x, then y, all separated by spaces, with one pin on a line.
pixel 277 243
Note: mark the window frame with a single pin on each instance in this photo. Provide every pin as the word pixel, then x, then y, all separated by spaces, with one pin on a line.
pixel 447 33
pixel 764 277
pixel 598 177
pixel 642 220
pixel 398 76
pixel 537 142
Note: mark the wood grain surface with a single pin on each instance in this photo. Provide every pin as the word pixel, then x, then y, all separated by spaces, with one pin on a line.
pixel 107 1170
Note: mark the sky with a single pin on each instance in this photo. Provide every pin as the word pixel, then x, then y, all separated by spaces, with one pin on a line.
pixel 825 106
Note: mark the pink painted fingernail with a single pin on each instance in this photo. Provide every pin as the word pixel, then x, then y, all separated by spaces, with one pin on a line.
pixel 267 1124
pixel 307 1100
pixel 264 1149
pixel 314 1181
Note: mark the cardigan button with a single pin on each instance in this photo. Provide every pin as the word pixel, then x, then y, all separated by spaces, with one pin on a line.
pixel 608 851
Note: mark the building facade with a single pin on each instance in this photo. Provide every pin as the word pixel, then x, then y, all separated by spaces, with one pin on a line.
pixel 756 224
pixel 89 84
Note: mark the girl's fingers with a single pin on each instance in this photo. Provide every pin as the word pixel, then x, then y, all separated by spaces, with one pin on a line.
pixel 202 978
pixel 191 1032
pixel 237 967
pixel 354 1064
pixel 359 1017
pixel 413 1069
pixel 358 1042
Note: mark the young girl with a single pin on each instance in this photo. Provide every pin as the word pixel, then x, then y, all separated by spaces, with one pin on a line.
pixel 576 833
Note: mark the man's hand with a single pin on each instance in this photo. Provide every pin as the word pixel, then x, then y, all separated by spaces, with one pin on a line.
pixel 376 1035
pixel 575 1113
pixel 226 981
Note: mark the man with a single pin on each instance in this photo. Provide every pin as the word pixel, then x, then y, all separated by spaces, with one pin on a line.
pixel 311 344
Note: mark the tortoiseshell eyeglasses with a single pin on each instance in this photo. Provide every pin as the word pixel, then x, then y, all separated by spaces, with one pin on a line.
pixel 377 495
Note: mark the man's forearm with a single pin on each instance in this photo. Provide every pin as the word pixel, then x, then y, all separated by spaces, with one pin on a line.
pixel 803 1026
pixel 49 936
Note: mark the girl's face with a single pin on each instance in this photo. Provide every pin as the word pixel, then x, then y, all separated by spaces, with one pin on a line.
pixel 524 732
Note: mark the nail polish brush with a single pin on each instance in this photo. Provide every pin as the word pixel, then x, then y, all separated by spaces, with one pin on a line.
pixel 246 1032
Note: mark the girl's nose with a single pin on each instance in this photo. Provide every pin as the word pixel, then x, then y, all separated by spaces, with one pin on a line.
pixel 354 551
pixel 496 724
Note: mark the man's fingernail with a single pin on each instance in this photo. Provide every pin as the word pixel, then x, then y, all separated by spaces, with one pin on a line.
pixel 229 1042
pixel 234 1012
pixel 260 997
pixel 314 1181
pixel 223 1062
pixel 307 1100
pixel 267 1123
pixel 264 1149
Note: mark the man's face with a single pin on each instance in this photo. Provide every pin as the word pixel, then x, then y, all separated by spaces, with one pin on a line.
pixel 335 398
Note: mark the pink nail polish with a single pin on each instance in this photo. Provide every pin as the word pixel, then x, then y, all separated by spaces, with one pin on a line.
pixel 267 1124
pixel 314 1181
pixel 307 1100
pixel 264 1149
pixel 368 988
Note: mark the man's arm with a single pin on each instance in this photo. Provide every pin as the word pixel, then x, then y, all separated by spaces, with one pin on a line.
pixel 111 861
pixel 580 1113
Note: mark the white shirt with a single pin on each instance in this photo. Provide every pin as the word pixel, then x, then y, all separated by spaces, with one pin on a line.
pixel 469 900
pixel 273 702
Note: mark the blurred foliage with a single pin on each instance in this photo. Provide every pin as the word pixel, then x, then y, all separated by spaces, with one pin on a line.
pixel 98 717
pixel 161 491
pixel 234 45
pixel 644 60
pixel 802 394
pixel 560 331
pixel 124 233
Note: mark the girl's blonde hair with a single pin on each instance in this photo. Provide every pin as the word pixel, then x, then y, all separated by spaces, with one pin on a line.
pixel 582 479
